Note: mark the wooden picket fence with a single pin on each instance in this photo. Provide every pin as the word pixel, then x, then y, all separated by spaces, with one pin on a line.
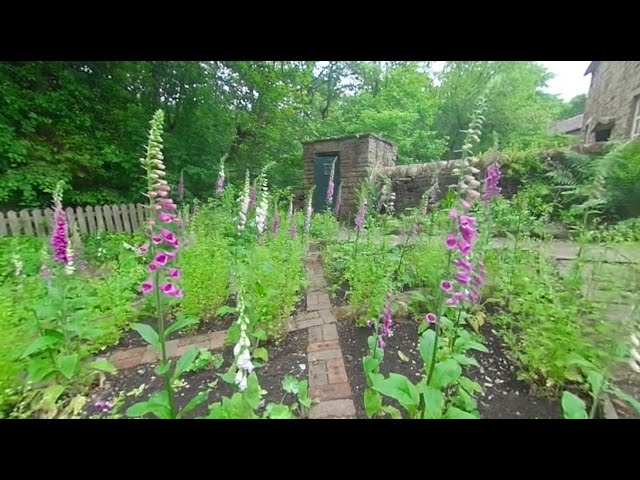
pixel 89 220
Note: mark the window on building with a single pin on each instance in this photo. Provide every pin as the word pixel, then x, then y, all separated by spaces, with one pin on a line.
pixel 635 129
pixel 602 131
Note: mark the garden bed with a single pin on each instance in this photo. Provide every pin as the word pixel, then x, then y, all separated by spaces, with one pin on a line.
pixel 137 384
pixel 504 396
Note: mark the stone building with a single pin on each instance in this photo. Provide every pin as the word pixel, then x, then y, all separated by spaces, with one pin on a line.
pixel 355 156
pixel 569 126
pixel 612 111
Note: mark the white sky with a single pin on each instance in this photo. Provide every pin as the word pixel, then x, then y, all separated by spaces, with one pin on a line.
pixel 569 80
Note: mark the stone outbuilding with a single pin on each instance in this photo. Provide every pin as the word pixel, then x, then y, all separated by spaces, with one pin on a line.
pixel 612 111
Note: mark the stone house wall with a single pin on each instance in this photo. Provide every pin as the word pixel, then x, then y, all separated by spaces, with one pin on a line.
pixel 614 91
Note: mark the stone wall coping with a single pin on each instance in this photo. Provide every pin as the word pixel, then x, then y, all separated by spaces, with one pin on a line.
pixel 348 137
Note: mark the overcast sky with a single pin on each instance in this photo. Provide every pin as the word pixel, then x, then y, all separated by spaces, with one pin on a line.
pixel 569 80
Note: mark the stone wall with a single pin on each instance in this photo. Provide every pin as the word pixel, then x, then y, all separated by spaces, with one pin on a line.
pixel 357 156
pixel 615 86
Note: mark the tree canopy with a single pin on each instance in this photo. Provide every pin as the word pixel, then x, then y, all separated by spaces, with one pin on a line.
pixel 86 122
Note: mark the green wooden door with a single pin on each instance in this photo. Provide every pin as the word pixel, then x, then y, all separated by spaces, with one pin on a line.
pixel 322 170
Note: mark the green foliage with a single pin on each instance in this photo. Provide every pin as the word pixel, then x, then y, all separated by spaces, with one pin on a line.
pixel 206 263
pixel 324 227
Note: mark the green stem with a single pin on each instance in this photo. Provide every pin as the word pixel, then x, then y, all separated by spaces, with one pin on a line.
pixel 440 312
pixel 455 330
pixel 163 346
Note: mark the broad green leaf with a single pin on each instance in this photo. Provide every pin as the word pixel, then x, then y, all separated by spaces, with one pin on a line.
pixel 392 411
pixel 400 388
pixel 445 373
pixel 465 360
pixel 456 413
pixel 469 385
pixel 372 402
pixel 225 310
pixel 67 364
pixel 303 393
pixel 573 407
pixel 39 369
pixel 370 364
pixel 197 400
pixel 148 334
pixel 625 397
pixel 290 384
pixel 76 404
pixel 233 334
pixel 158 404
pixel 278 411
pixel 252 392
pixel 427 344
pixel 185 361
pixel 260 334
pixel 50 396
pixel 162 367
pixel 596 381
pixel 473 345
pixel 179 325
pixel 39 344
pixel 259 288
pixel 261 354
pixel 103 365
pixel 433 402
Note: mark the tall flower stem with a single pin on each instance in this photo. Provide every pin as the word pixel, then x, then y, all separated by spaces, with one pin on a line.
pixel 440 313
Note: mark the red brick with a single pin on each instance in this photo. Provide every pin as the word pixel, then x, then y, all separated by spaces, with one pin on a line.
pixel 125 354
pixel 329 332
pixel 125 363
pixel 315 334
pixel 150 355
pixel 216 340
pixel 318 374
pixel 314 322
pixel 330 392
pixel 171 348
pixel 336 371
pixel 324 355
pixel 333 409
pixel 319 346
pixel 192 340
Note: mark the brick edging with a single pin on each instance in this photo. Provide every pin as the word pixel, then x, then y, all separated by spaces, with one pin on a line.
pixel 328 380
pixel 133 357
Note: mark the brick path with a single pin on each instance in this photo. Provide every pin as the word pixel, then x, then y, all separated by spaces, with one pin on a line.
pixel 328 381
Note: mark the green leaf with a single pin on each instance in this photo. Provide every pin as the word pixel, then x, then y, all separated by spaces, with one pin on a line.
pixel 433 402
pixel 400 388
pixel 179 325
pixel 103 365
pixel 464 360
pixel 427 344
pixel 596 381
pixel 233 334
pixel 290 384
pixel 259 288
pixel 148 334
pixel 573 407
pixel 445 373
pixel 392 411
pixel 67 364
pixel 469 385
pixel 41 343
pixel 225 310
pixel 260 334
pixel 278 411
pixel 303 393
pixel 162 367
pixel 625 397
pixel 185 361
pixel 39 369
pixel 158 404
pixel 261 354
pixel 252 392
pixel 196 401
pixel 50 396
pixel 370 364
pixel 456 413
pixel 372 402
